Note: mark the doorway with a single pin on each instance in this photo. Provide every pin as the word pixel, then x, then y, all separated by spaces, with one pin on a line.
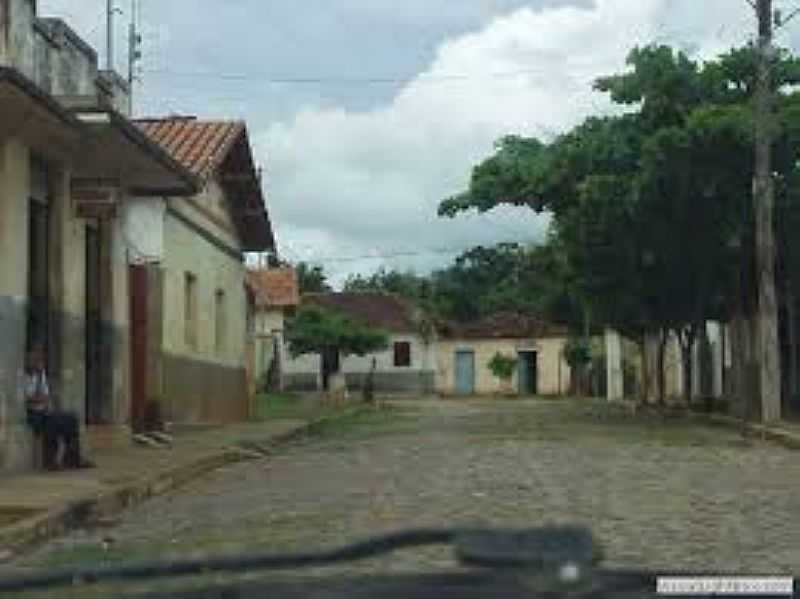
pixel 465 372
pixel 96 357
pixel 528 373
pixel 38 327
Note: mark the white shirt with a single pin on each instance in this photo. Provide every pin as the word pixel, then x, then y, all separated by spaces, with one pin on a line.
pixel 36 384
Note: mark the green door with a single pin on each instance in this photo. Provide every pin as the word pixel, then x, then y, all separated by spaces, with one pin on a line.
pixel 527 373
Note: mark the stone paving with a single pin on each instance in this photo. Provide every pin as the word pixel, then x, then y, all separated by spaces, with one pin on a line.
pixel 659 493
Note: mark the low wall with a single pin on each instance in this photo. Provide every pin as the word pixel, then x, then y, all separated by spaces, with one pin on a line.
pixel 200 391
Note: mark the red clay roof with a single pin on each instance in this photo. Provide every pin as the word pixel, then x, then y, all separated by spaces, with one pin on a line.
pixel 383 311
pixel 200 146
pixel 274 288
pixel 504 325
pixel 206 148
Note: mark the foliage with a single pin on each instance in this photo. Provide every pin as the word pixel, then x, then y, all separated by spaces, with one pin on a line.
pixel 316 330
pixel 311 278
pixel 652 208
pixel 577 352
pixel 503 366
pixel 482 281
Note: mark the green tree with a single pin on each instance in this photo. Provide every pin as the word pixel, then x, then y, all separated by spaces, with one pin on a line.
pixel 645 205
pixel 312 278
pixel 315 330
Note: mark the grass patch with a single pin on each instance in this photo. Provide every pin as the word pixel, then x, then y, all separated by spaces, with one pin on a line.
pixel 288 406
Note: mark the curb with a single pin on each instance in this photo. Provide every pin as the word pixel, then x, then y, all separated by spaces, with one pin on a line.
pixel 27 533
pixel 788 439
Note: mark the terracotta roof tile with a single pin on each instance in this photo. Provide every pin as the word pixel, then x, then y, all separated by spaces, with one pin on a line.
pixel 388 312
pixel 200 146
pixel 274 288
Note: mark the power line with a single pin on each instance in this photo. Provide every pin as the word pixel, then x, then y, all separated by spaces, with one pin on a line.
pixel 403 254
pixel 337 80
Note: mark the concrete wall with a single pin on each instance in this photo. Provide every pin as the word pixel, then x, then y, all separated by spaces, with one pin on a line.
pixel 142 222
pixel 201 383
pixel 15 451
pixel 303 373
pixel 552 371
pixel 269 325
pixel 50 53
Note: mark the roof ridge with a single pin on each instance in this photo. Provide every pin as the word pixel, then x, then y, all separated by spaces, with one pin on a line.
pixel 190 119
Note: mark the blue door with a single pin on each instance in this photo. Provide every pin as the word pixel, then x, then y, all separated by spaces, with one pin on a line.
pixel 465 372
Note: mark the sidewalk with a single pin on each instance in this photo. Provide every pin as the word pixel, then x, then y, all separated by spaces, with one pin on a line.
pixel 38 506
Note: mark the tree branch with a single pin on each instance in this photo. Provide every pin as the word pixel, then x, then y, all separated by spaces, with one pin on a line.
pixel 785 21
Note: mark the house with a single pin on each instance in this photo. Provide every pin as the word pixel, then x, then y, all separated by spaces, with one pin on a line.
pixel 276 295
pixel 190 287
pixel 70 164
pixel 407 366
pixel 464 351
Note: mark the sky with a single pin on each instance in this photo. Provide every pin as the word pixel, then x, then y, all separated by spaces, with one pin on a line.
pixel 365 114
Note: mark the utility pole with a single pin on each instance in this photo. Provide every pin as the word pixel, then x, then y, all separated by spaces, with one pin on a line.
pixel 134 52
pixel 763 204
pixel 110 35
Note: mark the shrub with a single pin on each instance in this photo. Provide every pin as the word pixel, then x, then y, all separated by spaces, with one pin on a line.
pixel 503 366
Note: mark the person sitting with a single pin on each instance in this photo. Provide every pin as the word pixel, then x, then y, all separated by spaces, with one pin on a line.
pixel 57 428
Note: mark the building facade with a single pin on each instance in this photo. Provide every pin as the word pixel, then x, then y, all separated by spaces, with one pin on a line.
pixel 193 362
pixel 464 352
pixel 70 161
pixel 275 297
pixel 407 365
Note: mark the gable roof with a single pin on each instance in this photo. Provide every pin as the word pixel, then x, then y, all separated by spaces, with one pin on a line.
pixel 379 310
pixel 503 325
pixel 200 146
pixel 274 288
pixel 221 148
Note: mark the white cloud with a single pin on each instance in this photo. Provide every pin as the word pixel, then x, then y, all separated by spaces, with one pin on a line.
pixel 357 183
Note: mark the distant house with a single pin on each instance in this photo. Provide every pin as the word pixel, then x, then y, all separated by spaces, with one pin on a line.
pixel 464 352
pixel 275 296
pixel 407 366
pixel 190 295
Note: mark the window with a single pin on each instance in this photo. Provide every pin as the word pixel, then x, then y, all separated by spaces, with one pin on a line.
pixel 402 354
pixel 219 321
pixel 190 310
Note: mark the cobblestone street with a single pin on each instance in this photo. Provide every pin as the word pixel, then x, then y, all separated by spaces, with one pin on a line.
pixel 658 493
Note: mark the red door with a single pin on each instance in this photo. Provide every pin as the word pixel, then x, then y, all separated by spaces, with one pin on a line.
pixel 138 293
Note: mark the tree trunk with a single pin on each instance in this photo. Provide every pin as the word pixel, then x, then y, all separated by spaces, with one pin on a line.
pixel 686 338
pixel 791 308
pixel 763 205
pixel 662 348
pixel 642 343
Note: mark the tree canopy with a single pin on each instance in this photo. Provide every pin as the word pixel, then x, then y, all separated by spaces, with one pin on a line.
pixel 315 330
pixel 652 208
pixel 311 278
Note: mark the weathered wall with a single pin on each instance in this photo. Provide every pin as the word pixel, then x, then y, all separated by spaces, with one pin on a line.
pixel 553 373
pixel 15 449
pixel 303 372
pixel 142 221
pixel 201 383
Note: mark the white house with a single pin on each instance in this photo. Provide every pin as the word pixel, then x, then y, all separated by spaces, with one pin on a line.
pixel 407 366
